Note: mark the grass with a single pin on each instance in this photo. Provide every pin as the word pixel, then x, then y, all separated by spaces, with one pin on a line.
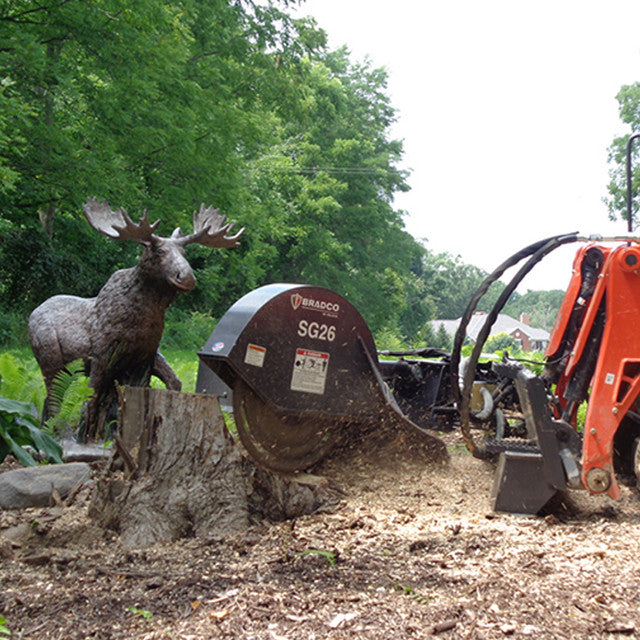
pixel 185 364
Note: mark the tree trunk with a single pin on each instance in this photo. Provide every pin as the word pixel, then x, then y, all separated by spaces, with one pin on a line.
pixel 182 474
pixel 100 414
pixel 177 473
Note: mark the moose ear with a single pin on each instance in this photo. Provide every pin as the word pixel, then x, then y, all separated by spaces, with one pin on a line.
pixel 177 233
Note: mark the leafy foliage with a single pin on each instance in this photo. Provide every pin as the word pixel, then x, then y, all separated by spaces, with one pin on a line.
pixel 22 389
pixel 4 630
pixel 20 377
pixel 541 307
pixel 186 329
pixel 330 556
pixel 185 363
pixel 629 107
pixel 168 104
pixel 442 340
pixel 19 428
pixel 451 283
pixel 500 342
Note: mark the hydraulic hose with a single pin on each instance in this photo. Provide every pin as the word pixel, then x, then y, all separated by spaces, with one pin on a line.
pixel 535 252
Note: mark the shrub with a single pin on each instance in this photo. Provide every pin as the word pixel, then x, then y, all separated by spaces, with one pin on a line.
pixel 13 329
pixel 388 339
pixel 19 429
pixel 500 342
pixel 186 329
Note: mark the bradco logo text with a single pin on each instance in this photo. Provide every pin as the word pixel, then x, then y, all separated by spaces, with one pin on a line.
pixel 309 303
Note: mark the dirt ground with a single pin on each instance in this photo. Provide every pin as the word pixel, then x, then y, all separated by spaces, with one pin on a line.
pixel 411 550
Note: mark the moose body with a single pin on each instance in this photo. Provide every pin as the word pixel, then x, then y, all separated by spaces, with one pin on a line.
pixel 118 332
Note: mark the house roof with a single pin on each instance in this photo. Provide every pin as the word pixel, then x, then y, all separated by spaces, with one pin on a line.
pixel 503 324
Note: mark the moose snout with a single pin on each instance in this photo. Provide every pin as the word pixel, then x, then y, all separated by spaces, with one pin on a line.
pixel 184 281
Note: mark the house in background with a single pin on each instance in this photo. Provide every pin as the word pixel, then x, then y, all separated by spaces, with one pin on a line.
pixel 528 337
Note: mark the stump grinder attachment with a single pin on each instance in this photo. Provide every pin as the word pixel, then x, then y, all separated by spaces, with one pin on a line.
pixel 302 365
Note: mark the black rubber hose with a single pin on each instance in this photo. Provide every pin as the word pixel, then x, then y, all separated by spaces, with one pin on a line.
pixel 536 251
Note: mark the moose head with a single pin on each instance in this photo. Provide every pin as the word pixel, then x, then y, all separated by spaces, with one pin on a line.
pixel 163 261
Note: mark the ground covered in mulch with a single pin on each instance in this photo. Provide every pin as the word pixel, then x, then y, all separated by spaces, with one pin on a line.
pixel 410 550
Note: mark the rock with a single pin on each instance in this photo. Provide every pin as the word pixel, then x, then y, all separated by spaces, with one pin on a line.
pixel 73 451
pixel 33 486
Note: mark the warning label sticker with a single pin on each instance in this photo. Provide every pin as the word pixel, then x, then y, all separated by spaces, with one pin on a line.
pixel 255 355
pixel 309 371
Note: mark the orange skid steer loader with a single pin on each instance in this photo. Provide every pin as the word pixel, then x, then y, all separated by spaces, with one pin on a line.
pixel 593 356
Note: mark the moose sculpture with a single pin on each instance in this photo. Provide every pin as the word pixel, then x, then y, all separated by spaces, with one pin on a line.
pixel 118 332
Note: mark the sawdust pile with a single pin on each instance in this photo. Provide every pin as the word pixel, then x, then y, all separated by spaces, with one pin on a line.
pixel 411 551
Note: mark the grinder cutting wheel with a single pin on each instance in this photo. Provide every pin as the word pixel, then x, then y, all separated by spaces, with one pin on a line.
pixel 302 365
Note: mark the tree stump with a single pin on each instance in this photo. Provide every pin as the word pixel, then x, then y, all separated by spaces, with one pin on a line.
pixel 182 474
pixel 176 473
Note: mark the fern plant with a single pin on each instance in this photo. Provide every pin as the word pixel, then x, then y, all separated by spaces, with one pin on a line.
pixel 69 392
pixel 20 377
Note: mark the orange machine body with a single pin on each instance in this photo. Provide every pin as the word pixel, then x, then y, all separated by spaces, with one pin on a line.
pixel 596 337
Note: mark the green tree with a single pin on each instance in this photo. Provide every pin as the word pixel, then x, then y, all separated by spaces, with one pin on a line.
pixel 629 109
pixel 163 105
pixel 451 283
pixel 326 193
pixel 541 307
pixel 442 339
pixel 152 105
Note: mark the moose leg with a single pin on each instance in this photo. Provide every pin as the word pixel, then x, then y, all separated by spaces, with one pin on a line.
pixel 162 370
pixel 89 428
pixel 50 406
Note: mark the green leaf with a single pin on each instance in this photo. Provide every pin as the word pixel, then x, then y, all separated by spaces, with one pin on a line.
pixel 15 407
pixel 21 455
pixel 43 442
pixel 19 428
pixel 329 556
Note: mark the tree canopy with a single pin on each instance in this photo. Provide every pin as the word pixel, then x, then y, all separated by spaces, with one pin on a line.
pixel 163 105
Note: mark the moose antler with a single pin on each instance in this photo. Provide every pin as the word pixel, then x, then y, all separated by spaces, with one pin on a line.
pixel 209 229
pixel 118 224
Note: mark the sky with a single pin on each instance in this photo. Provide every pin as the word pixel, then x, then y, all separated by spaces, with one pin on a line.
pixel 506 109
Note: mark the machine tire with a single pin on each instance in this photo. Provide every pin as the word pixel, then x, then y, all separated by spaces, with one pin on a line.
pixel 635 460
